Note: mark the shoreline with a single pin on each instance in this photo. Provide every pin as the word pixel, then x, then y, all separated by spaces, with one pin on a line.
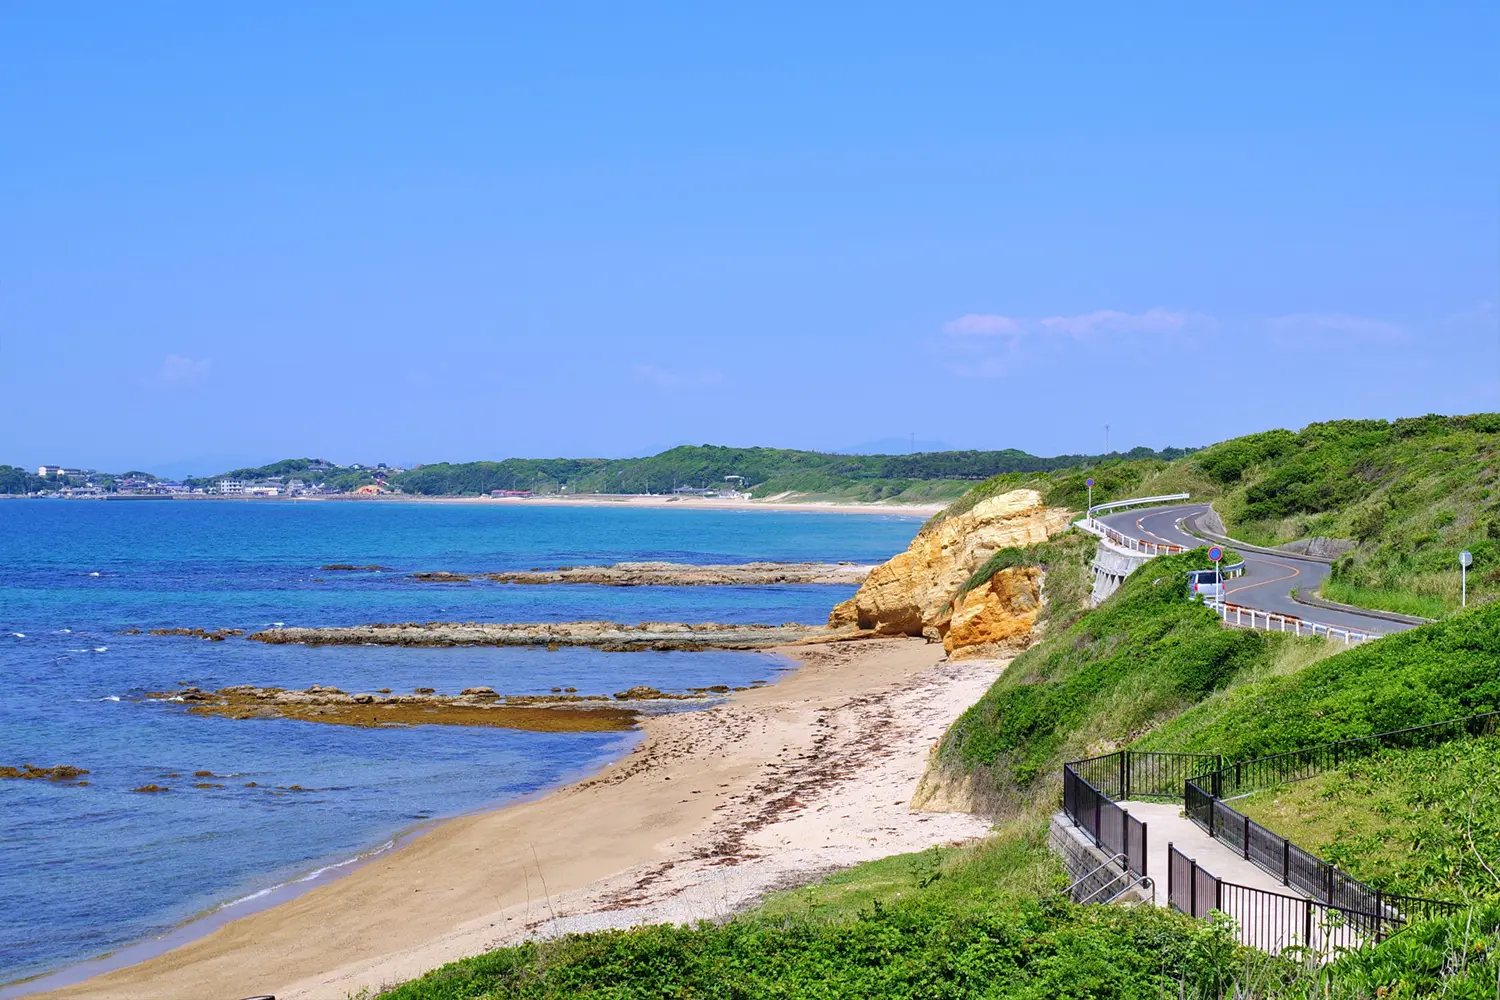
pixel 638 500
pixel 713 808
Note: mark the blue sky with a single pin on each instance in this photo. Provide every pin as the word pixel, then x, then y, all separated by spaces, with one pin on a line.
pixel 416 232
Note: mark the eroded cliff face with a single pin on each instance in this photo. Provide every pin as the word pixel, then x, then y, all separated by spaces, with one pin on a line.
pixel 996 619
pixel 912 593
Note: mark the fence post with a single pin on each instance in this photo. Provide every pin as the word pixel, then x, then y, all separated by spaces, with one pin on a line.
pixel 1307 924
pixel 1379 915
pixel 1171 899
pixel 1193 889
pixel 1124 774
pixel 1219 894
pixel 1097 826
pixel 1247 838
pixel 1145 853
pixel 1286 861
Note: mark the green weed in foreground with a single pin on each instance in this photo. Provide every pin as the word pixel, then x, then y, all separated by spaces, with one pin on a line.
pixel 1034 949
pixel 1421 822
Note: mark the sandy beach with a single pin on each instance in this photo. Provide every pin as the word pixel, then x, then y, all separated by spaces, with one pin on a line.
pixel 771 788
pixel 780 502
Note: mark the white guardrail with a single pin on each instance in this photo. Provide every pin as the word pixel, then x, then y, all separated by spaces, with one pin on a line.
pixel 1270 621
pixel 1094 526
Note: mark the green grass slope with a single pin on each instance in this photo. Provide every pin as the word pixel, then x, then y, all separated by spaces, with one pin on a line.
pixel 1441 671
pixel 1420 822
pixel 1411 492
pixel 1141 657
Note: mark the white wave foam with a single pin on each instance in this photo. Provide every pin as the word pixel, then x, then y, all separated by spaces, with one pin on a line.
pixel 93 574
pixel 19 635
pixel 100 649
pixel 388 845
pixel 276 624
pixel 110 697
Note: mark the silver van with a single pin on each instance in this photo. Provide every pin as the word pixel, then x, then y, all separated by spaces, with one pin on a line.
pixel 1203 583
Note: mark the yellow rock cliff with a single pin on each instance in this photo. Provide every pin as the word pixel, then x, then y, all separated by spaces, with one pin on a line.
pixel 910 594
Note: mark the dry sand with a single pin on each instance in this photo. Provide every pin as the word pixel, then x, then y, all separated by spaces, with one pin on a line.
pixel 782 502
pixel 771 788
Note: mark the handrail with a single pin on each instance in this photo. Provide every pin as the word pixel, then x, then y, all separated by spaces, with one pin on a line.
pixel 1118 859
pixel 1138 500
pixel 1131 882
pixel 1287 623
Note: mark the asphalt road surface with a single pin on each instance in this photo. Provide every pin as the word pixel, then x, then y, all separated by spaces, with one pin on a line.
pixel 1268 580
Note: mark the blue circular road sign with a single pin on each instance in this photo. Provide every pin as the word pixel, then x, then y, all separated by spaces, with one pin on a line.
pixel 1089 482
pixel 1216 553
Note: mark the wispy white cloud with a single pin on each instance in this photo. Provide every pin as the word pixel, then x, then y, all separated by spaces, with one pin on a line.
pixel 664 378
pixel 982 325
pixel 1333 326
pixel 1102 321
pixel 177 371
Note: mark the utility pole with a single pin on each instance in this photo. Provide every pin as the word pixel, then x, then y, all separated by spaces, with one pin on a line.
pixel 1106 439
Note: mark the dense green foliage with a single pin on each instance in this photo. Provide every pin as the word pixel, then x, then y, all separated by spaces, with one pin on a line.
pixel 1144 655
pixel 768 470
pixel 1421 822
pixel 984 921
pixel 1437 672
pixel 1412 492
pixel 310 470
pixel 18 480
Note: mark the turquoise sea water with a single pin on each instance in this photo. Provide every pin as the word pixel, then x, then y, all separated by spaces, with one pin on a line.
pixel 86 870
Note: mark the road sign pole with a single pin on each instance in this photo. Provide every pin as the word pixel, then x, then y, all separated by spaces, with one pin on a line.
pixel 1464 559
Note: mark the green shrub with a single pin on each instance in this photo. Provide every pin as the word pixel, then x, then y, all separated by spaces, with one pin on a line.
pixel 1442 671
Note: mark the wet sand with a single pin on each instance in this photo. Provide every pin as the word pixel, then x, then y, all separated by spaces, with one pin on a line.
pixel 773 787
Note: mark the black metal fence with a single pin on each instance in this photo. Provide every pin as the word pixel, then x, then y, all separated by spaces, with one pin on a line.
pixel 1104 822
pixel 1135 774
pixel 1273 921
pixel 1372 909
pixel 1243 777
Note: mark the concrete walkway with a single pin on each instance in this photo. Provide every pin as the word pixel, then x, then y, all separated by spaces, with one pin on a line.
pixel 1166 824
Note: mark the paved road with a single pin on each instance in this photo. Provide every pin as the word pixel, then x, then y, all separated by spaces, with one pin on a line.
pixel 1268 580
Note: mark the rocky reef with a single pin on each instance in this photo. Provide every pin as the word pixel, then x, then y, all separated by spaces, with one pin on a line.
pixel 208 635
pixel 609 636
pixel 30 772
pixel 669 574
pixel 914 592
pixel 475 706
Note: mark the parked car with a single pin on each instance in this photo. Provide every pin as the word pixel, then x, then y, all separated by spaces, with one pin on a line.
pixel 1204 584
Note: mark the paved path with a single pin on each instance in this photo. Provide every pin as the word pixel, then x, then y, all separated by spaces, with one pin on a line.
pixel 1165 824
pixel 1268 580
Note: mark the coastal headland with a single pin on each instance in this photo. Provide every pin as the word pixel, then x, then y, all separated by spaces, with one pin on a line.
pixel 768 788
pixel 773 786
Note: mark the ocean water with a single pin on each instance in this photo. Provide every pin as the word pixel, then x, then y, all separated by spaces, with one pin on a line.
pixel 86 870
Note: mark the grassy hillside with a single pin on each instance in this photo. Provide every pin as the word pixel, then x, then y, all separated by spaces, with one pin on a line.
pixel 1421 822
pixel 1433 673
pixel 1143 656
pixel 931 476
pixel 1411 492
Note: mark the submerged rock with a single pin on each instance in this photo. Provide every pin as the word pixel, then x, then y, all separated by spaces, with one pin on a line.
pixel 668 574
